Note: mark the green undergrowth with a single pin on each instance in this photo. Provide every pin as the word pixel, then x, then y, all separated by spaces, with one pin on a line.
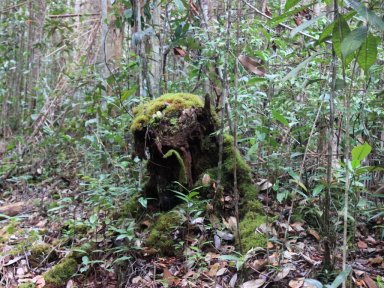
pixel 59 274
pixel 166 105
pixel 161 233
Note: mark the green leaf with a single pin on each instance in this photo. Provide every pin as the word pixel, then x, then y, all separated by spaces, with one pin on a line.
pixel 340 84
pixel 368 53
pixel 179 5
pixel 367 14
pixel 305 25
pixel 361 152
pixel 317 190
pixel 290 3
pixel 340 278
pixel 297 69
pixel 278 19
pixel 353 41
pixel 128 93
pixel 328 30
pixel 143 201
pixel 282 196
pixel 340 31
pixel 85 260
pixel 314 282
pixel 314 81
pixel 279 118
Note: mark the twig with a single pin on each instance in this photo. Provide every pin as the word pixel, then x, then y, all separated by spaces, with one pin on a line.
pixel 366 269
pixel 73 15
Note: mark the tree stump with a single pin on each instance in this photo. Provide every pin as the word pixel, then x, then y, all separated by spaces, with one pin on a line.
pixel 175 133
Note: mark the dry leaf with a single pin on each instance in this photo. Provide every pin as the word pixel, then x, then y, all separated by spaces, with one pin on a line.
pixel 214 268
pixel 264 184
pixel 297 226
pixel 314 234
pixel 253 283
pixel 221 272
pixel 378 260
pixel 369 282
pixel 362 245
pixel 296 283
pixel 259 264
pixel 70 284
pixel 231 223
pixel 167 275
pixel 206 180
pixel 251 65
pixel 179 51
pixel 283 273
pixel 137 280
pixel 39 281
pixel 233 280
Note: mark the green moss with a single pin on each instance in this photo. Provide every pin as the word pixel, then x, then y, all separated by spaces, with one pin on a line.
pixel 59 274
pixel 248 225
pixel 164 106
pixel 26 285
pixel 130 208
pixel 41 252
pixel 160 236
pixel 183 175
pixel 296 217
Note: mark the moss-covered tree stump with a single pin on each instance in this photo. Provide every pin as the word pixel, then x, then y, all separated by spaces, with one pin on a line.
pixel 175 133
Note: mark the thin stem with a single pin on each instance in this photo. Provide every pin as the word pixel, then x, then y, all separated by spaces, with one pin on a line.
pixel 225 93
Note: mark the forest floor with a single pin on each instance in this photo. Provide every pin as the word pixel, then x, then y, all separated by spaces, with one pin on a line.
pixel 36 233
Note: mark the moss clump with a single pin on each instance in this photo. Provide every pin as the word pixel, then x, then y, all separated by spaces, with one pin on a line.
pixel 166 105
pixel 130 208
pixel 248 225
pixel 27 285
pixel 59 274
pixel 160 236
pixel 41 252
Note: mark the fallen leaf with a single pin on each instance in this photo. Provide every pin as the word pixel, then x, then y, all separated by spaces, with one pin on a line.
pixel 14 260
pixel 377 260
pixel 137 280
pixel 282 274
pixel 253 283
pixel 70 284
pixel 214 268
pixel 259 264
pixel 179 51
pixel 39 281
pixel 264 184
pixel 362 245
pixel 370 283
pixel 206 180
pixel 251 65
pixel 370 240
pixel 297 226
pixel 167 275
pixel 296 283
pixel 221 272
pixel 314 234
pixel 233 280
pixel 230 223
